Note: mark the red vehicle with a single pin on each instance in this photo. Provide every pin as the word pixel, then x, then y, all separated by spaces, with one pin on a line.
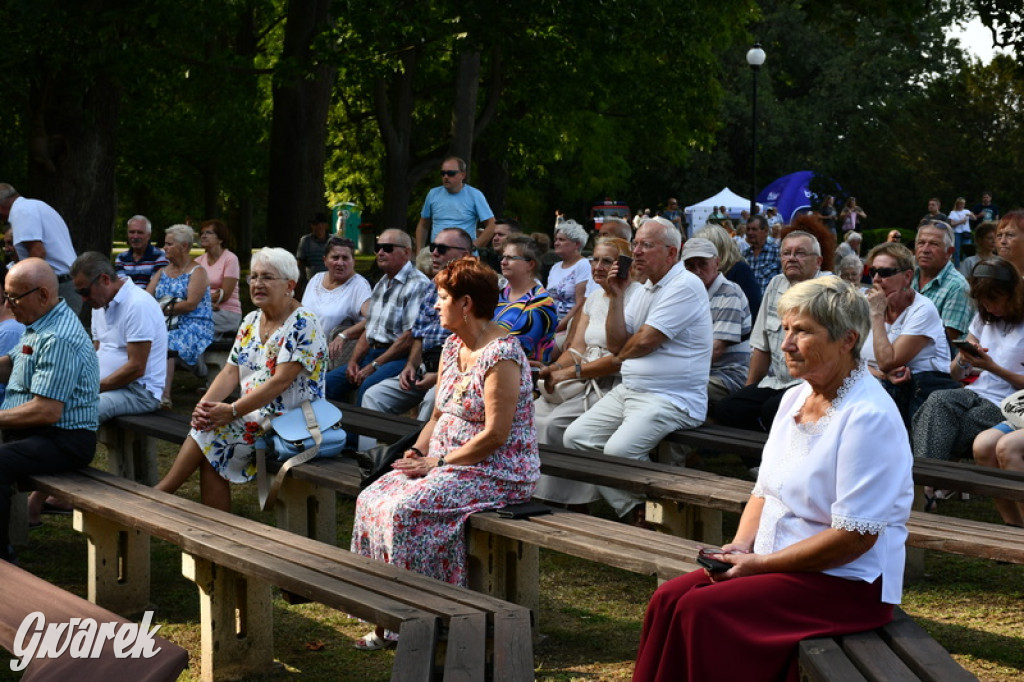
pixel 609 208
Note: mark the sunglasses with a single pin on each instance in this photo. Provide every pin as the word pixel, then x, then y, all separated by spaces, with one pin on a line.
pixel 87 291
pixel 386 248
pixel 442 249
pixel 884 273
pixel 450 173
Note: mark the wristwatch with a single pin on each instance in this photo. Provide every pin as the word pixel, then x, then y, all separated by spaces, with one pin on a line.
pixel 373 363
pixel 441 462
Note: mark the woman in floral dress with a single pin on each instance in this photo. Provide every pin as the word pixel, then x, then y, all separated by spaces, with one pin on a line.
pixel 478 451
pixel 184 291
pixel 278 361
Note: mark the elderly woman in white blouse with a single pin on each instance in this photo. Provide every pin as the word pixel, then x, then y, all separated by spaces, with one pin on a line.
pixel 819 550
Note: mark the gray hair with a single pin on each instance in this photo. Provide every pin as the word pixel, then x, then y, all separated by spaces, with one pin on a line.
pixel 145 221
pixel 728 251
pixel 851 262
pixel 853 236
pixel 815 246
pixel 669 232
pixel 833 303
pixel 278 259
pixel 401 235
pixel 6 192
pixel 622 228
pixel 91 265
pixel 573 231
pixel 944 228
pixel 182 234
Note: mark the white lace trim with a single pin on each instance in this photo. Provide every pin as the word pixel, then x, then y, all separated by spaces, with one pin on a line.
pixel 862 526
pixel 814 428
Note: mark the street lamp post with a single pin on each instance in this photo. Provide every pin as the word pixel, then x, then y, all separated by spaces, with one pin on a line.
pixel 755 57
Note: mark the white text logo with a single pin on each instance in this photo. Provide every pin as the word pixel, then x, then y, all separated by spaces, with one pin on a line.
pixel 81 638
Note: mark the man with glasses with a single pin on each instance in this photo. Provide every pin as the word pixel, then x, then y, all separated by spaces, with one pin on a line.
pixel 142 258
pixel 415 384
pixel 753 407
pixel 454 204
pixel 761 253
pixel 48 416
pixel 664 337
pixel 382 348
pixel 937 278
pixel 39 231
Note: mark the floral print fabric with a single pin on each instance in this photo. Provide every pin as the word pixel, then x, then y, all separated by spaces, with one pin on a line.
pixel 195 328
pixel 417 523
pixel 230 448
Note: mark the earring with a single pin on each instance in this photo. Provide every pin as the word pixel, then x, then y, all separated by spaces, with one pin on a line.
pixel 465 317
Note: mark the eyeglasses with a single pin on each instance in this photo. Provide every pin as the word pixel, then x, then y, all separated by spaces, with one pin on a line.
pixel 386 248
pixel 443 248
pixel 207 233
pixel 795 254
pixel 515 258
pixel 450 173
pixel 15 299
pixel 646 246
pixel 86 291
pixel 885 273
pixel 257 278
pixel 607 262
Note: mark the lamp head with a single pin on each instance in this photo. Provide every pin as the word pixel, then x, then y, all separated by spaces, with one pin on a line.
pixel 755 56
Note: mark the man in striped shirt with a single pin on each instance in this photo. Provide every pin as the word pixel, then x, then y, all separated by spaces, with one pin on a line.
pixel 49 414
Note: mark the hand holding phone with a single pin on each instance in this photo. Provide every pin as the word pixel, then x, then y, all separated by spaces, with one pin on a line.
pixel 965 346
pixel 625 263
pixel 706 558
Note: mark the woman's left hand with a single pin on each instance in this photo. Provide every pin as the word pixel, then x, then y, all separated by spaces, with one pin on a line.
pixel 877 302
pixel 744 563
pixel 415 467
pixel 208 415
pixel 557 376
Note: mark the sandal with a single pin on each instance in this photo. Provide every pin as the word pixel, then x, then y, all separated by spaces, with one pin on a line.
pixel 931 503
pixel 371 641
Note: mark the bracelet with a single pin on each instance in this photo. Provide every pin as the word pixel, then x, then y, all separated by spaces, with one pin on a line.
pixel 234 412
pixel 342 335
pixel 220 295
pixel 579 371
pixel 419 453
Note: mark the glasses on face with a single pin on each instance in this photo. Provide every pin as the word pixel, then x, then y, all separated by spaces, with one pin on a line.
pixel 207 233
pixel 87 290
pixel 257 278
pixel 799 255
pixel 646 246
pixel 504 258
pixel 386 248
pixel 15 299
pixel 607 262
pixel 450 173
pixel 442 249
pixel 884 273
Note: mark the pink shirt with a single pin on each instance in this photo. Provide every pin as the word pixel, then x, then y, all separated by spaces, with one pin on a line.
pixel 226 266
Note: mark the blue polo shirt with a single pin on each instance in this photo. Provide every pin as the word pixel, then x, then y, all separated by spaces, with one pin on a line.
pixel 464 210
pixel 55 359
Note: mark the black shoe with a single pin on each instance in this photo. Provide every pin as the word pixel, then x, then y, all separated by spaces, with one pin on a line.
pixel 9 555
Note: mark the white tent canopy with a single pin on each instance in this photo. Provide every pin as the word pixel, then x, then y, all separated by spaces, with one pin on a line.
pixel 698 214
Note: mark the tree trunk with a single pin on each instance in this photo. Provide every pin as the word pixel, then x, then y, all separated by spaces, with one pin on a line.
pixel 393 105
pixel 301 99
pixel 72 154
pixel 467 85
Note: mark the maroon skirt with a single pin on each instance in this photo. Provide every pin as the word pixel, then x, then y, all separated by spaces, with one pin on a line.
pixel 748 628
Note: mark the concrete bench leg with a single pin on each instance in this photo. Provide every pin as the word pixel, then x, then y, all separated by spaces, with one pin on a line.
pixel 18 529
pixel 686 521
pixel 130 455
pixel 504 568
pixel 308 510
pixel 237 621
pixel 119 569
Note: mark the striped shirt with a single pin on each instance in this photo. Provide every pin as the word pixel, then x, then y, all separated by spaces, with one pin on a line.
pixel 730 317
pixel 393 309
pixel 55 359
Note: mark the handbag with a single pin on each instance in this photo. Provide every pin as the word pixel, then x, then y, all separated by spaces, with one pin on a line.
pixel 1013 409
pixel 165 302
pixel 571 388
pixel 295 437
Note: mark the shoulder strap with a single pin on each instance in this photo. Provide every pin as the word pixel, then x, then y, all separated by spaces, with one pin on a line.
pixel 268 490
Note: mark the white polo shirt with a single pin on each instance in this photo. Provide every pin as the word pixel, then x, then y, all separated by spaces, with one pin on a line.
pixel 133 315
pixel 677 306
pixel 36 221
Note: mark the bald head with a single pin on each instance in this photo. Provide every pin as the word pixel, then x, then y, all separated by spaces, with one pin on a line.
pixel 34 272
pixel 33 284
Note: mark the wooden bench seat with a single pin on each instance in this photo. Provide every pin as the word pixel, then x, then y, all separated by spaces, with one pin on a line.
pixel 899 652
pixel 234 561
pixel 22 594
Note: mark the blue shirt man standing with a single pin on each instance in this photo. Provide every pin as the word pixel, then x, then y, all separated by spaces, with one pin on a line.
pixel 454 204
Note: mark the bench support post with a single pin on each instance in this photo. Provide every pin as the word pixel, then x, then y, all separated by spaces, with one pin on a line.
pixel 118 564
pixel 130 455
pixel 686 521
pixel 18 529
pixel 505 568
pixel 237 621
pixel 308 510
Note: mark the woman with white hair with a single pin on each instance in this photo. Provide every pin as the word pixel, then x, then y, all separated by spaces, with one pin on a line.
pixel 278 361
pixel 567 281
pixel 183 290
pixel 850 246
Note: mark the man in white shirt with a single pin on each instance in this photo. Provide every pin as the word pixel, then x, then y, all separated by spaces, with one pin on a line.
pixel 662 345
pixel 130 335
pixel 40 232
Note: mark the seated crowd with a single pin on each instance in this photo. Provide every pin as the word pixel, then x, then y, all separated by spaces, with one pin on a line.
pixel 651 334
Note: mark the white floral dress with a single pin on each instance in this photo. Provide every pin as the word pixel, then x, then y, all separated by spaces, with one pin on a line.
pixel 300 339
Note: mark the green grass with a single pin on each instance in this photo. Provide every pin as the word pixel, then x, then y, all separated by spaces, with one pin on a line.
pixel 590 615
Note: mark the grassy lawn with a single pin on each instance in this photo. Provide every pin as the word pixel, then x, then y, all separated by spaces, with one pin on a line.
pixel 590 614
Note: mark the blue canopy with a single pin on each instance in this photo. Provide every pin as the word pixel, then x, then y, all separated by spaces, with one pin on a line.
pixel 789 194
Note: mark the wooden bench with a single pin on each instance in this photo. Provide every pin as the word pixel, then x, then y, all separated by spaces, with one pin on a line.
pixel 899 652
pixel 22 594
pixel 234 561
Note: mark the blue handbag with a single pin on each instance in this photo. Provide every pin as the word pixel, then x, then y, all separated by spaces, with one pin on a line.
pixel 295 437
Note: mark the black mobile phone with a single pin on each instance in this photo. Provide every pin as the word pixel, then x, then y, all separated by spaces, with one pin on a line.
pixel 625 262
pixel 706 559
pixel 966 346
pixel 523 510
